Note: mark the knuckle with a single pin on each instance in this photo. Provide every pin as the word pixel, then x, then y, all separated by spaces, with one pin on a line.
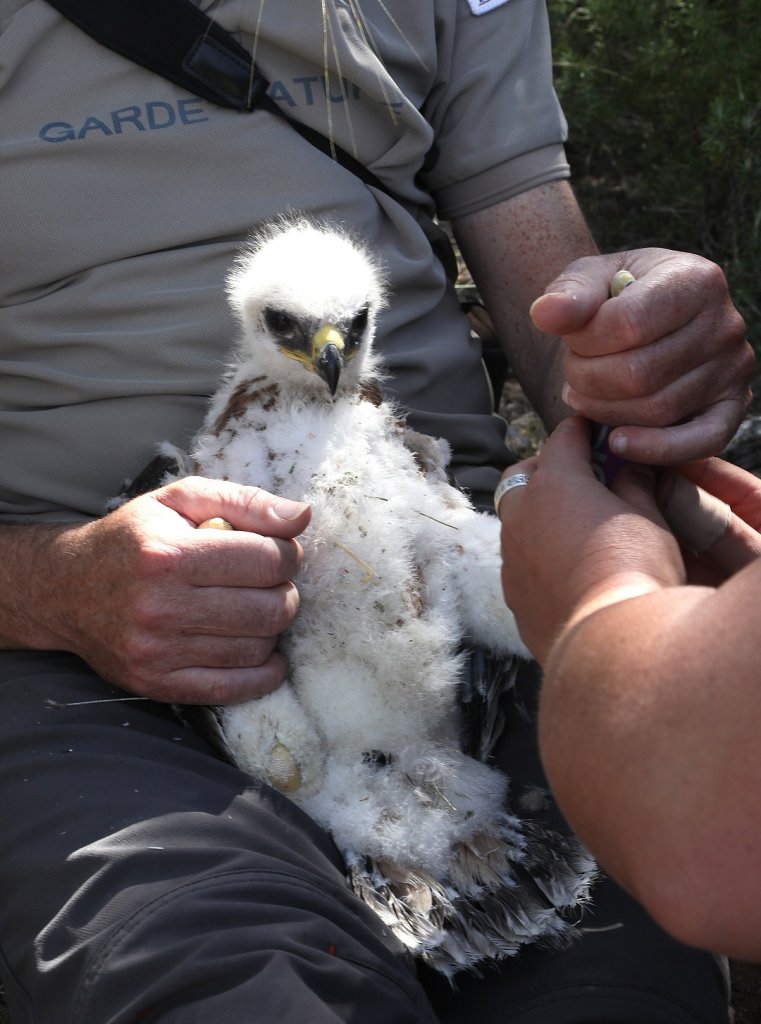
pixel 283 605
pixel 177 487
pixel 624 375
pixel 727 334
pixel 746 360
pixel 277 560
pixel 255 500
pixel 140 650
pixel 262 651
pixel 712 277
pixel 632 324
pixel 150 614
pixel 589 377
pixel 154 561
pixel 737 327
pixel 638 374
pixel 731 377
pixel 657 410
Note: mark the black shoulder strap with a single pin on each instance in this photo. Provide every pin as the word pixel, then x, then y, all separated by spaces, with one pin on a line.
pixel 176 40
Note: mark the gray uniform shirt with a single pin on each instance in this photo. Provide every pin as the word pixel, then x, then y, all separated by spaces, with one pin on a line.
pixel 125 200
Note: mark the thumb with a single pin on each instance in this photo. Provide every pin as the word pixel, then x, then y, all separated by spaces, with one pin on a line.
pixel 568 447
pixel 572 299
pixel 251 509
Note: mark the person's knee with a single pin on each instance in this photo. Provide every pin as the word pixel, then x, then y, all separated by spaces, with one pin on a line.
pixel 267 941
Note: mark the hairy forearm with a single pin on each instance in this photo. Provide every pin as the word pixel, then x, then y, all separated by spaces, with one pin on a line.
pixel 35 582
pixel 649 728
pixel 513 251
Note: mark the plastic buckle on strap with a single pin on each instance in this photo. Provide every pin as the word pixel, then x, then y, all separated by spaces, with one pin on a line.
pixel 236 81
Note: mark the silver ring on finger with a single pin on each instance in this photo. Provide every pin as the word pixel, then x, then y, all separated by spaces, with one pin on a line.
pixel 507 484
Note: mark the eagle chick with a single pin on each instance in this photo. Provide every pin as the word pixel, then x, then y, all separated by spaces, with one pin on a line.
pixel 399 572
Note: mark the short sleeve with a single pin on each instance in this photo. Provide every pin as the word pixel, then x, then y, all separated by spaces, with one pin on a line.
pixel 497 121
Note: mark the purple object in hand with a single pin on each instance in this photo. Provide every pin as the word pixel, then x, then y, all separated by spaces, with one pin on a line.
pixel 605 463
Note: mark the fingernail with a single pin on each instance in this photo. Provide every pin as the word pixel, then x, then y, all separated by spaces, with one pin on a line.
pixel 567 395
pixel 288 510
pixel 618 444
pixel 541 298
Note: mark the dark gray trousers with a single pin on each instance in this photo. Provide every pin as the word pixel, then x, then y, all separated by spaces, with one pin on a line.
pixel 142 879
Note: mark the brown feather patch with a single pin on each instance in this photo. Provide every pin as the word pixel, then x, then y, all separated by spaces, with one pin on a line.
pixel 245 394
pixel 369 391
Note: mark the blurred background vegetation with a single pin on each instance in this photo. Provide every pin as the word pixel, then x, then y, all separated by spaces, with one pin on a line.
pixel 663 98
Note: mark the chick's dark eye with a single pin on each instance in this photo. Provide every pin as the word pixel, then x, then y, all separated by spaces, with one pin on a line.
pixel 358 327
pixel 280 323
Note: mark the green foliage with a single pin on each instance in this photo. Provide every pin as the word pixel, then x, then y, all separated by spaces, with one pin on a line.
pixel 663 98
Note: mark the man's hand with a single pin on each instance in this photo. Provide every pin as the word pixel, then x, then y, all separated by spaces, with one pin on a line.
pixel 666 362
pixel 172 612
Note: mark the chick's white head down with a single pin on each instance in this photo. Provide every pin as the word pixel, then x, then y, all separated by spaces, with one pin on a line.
pixel 310 293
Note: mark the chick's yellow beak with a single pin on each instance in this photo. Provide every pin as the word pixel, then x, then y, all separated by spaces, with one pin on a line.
pixel 328 345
